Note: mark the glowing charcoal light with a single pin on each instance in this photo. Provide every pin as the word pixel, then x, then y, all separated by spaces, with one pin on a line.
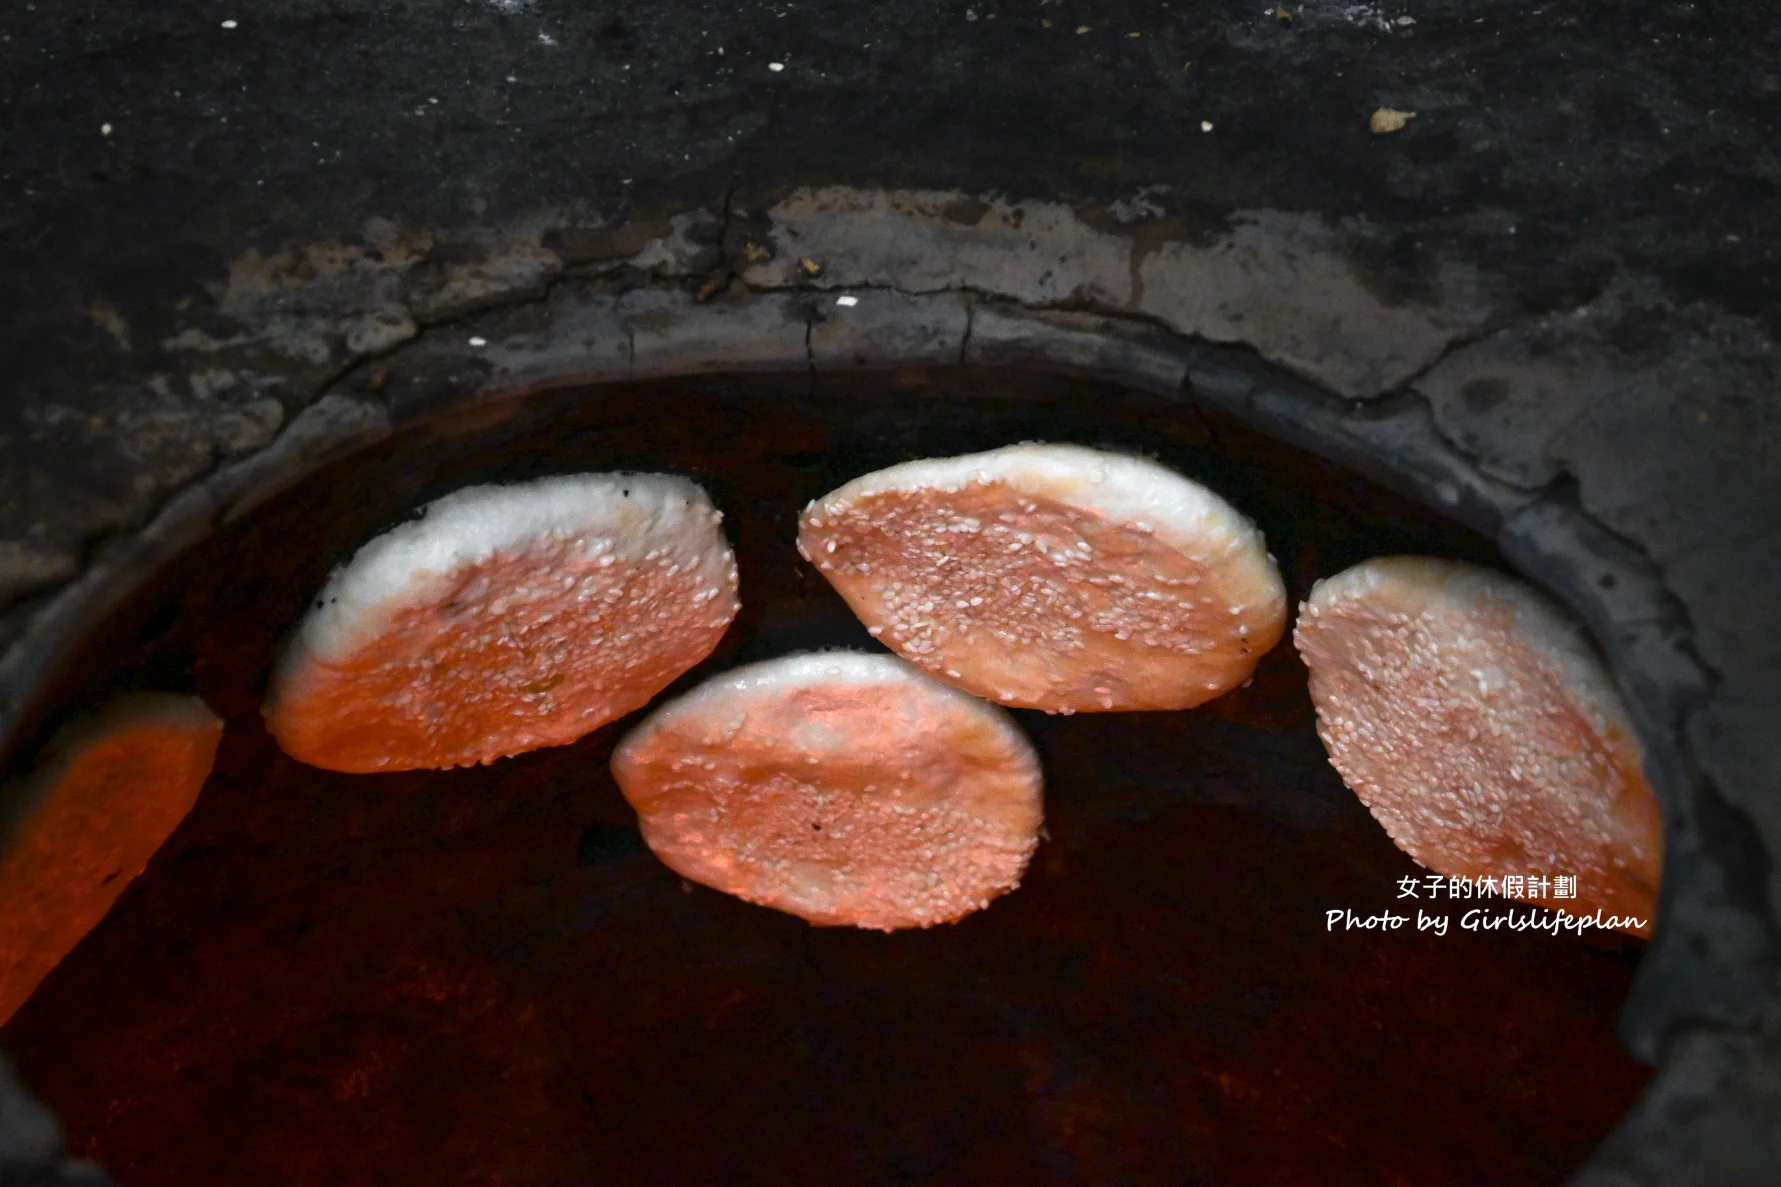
pixel 108 792
pixel 505 619
pixel 840 787
pixel 1476 723
pixel 1053 577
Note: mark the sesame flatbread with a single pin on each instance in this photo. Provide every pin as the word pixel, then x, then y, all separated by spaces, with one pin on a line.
pixel 1053 577
pixel 840 787
pixel 505 619
pixel 1478 725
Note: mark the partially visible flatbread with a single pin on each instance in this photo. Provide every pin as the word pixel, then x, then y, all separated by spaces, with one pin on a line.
pixel 1477 724
pixel 109 791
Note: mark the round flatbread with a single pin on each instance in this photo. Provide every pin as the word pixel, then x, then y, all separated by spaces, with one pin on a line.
pixel 108 792
pixel 1477 724
pixel 1053 577
pixel 840 787
pixel 506 618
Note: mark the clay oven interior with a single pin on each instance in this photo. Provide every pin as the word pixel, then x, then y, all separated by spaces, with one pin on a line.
pixel 241 244
pixel 482 976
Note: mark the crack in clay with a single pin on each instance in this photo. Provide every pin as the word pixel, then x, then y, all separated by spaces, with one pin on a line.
pixel 810 351
pixel 1460 341
pixel 1562 491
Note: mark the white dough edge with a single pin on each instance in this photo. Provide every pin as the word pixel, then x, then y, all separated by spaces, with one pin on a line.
pixel 770 680
pixel 1396 585
pixel 1121 487
pixel 661 512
